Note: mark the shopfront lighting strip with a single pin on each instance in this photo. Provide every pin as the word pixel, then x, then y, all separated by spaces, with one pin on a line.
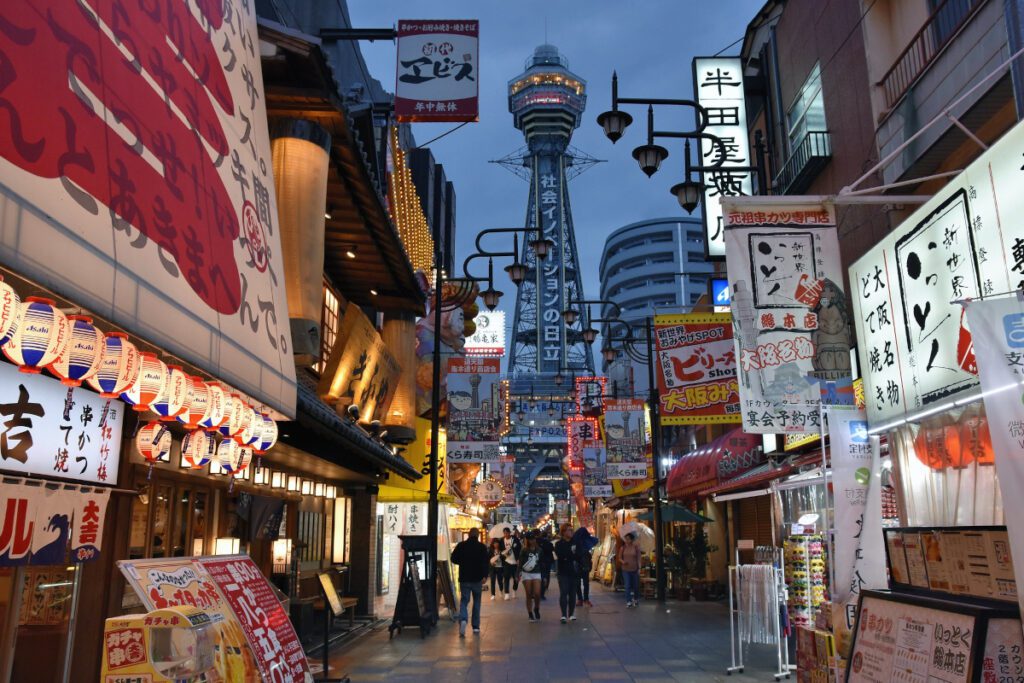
pixel 959 403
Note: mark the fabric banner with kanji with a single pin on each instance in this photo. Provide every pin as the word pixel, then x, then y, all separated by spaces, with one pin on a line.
pixel 696 369
pixel 791 322
pixel 38 524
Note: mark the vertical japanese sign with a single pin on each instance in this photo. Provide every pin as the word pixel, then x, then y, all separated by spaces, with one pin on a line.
pixel 625 438
pixel 790 319
pixel 136 160
pixel 998 326
pixel 718 87
pixel 438 70
pixel 474 410
pixel 915 347
pixel 505 472
pixel 489 337
pixel 696 369
pixel 52 430
pixel 859 546
pixel 549 200
pixel 360 370
pixel 272 640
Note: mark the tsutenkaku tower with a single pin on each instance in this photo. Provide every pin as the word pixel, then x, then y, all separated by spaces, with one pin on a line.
pixel 547 102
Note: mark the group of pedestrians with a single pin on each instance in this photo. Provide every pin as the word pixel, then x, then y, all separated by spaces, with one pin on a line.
pixel 529 560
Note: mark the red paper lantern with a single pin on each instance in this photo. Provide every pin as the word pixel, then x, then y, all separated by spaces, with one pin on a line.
pixel 976 439
pixel 930 447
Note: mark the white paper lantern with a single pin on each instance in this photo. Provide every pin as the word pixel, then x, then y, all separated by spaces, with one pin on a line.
pixel 81 359
pixel 229 455
pixel 216 408
pixel 251 426
pixel 236 413
pixel 119 366
pixel 197 406
pixel 197 448
pixel 150 385
pixel 42 335
pixel 153 442
pixel 177 397
pixel 267 435
pixel 10 311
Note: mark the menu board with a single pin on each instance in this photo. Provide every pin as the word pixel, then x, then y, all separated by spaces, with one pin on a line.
pixel 910 642
pixel 969 561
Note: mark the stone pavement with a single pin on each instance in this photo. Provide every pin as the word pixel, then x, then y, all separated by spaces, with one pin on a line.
pixel 677 642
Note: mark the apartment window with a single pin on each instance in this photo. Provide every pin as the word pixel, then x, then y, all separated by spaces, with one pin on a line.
pixel 807 114
pixel 330 320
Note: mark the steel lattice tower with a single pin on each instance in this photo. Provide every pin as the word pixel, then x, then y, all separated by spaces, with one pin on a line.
pixel 547 102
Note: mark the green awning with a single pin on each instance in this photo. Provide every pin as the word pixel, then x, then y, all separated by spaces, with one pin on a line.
pixel 676 513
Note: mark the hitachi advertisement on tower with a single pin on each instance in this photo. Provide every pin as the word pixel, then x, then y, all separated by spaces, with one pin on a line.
pixel 438 70
pixel 474 409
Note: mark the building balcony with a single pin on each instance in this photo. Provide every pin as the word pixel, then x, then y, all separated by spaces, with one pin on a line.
pixel 804 164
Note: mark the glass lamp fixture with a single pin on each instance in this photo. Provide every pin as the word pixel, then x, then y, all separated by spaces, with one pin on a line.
pixel 261 476
pixel 649 157
pixel 687 193
pixel 614 123
pixel 570 316
pixel 609 354
pixel 318 489
pixel 589 335
pixel 330 492
pixel 294 483
pixel 278 480
pixel 307 487
pixel 542 246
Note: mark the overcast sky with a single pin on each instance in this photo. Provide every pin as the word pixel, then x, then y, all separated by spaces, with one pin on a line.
pixel 650 43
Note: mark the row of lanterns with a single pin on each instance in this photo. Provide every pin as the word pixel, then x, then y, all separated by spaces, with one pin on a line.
pixel 36 335
pixel 944 443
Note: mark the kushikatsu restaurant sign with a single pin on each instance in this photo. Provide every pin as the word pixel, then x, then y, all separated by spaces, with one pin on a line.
pixel 51 430
pixel 138 180
pixel 966 242
pixel 438 70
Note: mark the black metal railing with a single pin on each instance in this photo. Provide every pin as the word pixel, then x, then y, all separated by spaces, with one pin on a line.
pixel 804 163
pixel 943 24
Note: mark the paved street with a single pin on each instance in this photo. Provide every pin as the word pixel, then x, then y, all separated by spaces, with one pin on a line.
pixel 608 643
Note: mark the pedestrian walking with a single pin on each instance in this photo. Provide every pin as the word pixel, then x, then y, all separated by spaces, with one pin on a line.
pixel 568 574
pixel 547 559
pixel 529 574
pixel 510 549
pixel 497 571
pixel 471 557
pixel 629 556
pixel 584 544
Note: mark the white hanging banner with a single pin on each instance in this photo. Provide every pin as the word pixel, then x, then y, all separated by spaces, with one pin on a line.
pixel 90 513
pixel 55 516
pixel 856 480
pixel 997 326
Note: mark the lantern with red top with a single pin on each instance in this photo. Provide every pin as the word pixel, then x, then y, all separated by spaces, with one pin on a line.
pixel 42 335
pixel 119 366
pixel 81 360
pixel 177 397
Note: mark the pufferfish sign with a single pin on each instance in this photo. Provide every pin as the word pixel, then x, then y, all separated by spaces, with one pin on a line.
pixel 138 178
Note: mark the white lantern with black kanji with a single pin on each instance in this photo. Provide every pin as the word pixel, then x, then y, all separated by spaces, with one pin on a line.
pixel 150 385
pixel 81 360
pixel 197 406
pixel 153 442
pixel 197 448
pixel 216 409
pixel 42 335
pixel 10 311
pixel 119 366
pixel 177 397
pixel 267 435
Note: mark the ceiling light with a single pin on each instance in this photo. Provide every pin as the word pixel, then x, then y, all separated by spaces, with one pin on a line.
pixel 350 252
pixel 373 292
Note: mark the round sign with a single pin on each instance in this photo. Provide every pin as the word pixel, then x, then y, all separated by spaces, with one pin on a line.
pixel 490 492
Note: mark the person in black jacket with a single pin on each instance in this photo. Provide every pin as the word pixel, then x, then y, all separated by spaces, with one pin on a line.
pixel 510 549
pixel 473 561
pixel 547 559
pixel 584 544
pixel 568 574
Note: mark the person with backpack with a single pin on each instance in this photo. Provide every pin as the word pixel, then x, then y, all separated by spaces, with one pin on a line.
pixel 529 573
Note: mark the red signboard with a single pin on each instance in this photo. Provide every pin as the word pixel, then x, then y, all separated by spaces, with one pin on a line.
pixel 438 75
pixel 696 369
pixel 276 648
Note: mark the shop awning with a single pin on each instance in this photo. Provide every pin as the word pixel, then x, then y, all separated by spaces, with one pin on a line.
pixel 398 494
pixel 757 477
pixel 676 513
pixel 341 441
pixel 733 452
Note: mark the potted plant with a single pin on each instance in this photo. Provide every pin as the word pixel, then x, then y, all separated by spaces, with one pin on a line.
pixel 701 548
pixel 676 563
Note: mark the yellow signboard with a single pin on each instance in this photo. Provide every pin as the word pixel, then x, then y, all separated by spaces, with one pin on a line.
pixel 417 454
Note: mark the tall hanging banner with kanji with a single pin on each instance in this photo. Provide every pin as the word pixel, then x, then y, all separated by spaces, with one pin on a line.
pixel 625 438
pixel 474 410
pixel 790 318
pixel 438 70
pixel 696 369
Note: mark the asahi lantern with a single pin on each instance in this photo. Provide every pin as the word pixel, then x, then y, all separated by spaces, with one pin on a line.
pixel 197 448
pixel 198 405
pixel 153 442
pixel 119 366
pixel 236 409
pixel 10 311
pixel 177 397
pixel 41 337
pixel 267 435
pixel 81 360
pixel 229 455
pixel 150 385
pixel 248 423
pixel 215 409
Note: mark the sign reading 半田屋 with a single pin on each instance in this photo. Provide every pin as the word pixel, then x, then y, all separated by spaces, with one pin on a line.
pixel 916 350
pixel 438 70
pixel 789 312
pixel 718 88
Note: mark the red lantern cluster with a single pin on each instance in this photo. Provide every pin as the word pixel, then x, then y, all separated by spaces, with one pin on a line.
pixel 944 443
